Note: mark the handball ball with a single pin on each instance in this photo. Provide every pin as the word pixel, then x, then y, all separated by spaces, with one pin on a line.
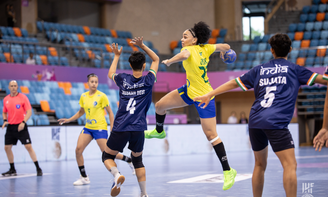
pixel 229 57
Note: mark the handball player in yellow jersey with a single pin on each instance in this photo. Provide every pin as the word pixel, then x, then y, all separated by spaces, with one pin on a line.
pixel 195 57
pixel 93 104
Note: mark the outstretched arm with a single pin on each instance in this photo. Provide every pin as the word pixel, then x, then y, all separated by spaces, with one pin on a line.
pixel 319 79
pixel 75 117
pixel 222 48
pixel 183 55
pixel 322 137
pixel 205 99
pixel 112 69
pixel 139 42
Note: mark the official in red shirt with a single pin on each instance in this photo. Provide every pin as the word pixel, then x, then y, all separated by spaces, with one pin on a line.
pixel 16 111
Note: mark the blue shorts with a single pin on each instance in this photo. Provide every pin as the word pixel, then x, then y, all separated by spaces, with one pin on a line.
pixel 96 134
pixel 118 140
pixel 208 112
pixel 280 139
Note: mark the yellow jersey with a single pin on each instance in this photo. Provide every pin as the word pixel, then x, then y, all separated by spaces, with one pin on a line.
pixel 196 69
pixel 94 110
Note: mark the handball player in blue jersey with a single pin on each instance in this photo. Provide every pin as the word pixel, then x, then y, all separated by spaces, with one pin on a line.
pixel 276 85
pixel 130 121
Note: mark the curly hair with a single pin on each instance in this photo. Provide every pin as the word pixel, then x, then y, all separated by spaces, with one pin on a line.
pixel 137 60
pixel 202 31
pixel 280 43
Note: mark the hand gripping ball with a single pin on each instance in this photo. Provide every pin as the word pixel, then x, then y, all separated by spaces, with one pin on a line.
pixel 229 57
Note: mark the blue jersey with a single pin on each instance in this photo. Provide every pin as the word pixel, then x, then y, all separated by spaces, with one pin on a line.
pixel 276 85
pixel 135 99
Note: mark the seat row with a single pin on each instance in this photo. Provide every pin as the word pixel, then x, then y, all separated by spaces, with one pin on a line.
pixel 309 26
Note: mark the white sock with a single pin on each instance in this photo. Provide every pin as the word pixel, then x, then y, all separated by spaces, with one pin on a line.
pixel 142 186
pixel 114 172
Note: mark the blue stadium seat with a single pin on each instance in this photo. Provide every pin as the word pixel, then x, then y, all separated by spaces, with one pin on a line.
pixel 257 39
pixel 259 55
pixel 306 9
pixel 316 35
pixel 241 56
pixel 300 27
pixel 253 47
pixel 262 46
pixel 250 56
pixel 223 33
pixel 324 34
pixel 291 35
pixel 322 42
pixel 312 17
pixel 322 8
pixel 307 35
pixel 303 18
pixel 318 61
pixel 309 26
pixel 325 25
pixel 312 52
pixel 2 58
pixel 294 54
pixel 255 63
pixel 247 65
pixel 302 53
pixel 325 60
pixel 317 25
pixel 296 44
pixel 267 55
pixel 314 8
pixel 245 47
pixel 316 1
pixel 265 38
pixel 309 61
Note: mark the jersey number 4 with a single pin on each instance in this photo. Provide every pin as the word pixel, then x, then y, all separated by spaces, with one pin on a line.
pixel 268 97
pixel 131 106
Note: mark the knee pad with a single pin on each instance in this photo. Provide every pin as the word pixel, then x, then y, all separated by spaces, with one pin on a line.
pixel 106 156
pixel 137 162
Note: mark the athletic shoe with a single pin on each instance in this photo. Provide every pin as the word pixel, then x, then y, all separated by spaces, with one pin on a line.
pixel 229 178
pixel 116 187
pixel 39 172
pixel 144 196
pixel 10 173
pixel 82 181
pixel 132 167
pixel 154 134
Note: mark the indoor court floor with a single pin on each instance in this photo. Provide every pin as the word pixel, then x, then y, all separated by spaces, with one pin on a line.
pixel 170 176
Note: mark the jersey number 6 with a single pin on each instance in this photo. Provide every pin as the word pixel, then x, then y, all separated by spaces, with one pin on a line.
pixel 270 96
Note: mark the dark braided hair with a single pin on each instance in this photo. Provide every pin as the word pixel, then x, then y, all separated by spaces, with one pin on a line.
pixel 280 43
pixel 202 31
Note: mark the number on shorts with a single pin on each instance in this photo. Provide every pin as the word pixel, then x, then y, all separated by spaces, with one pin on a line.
pixel 131 106
pixel 270 96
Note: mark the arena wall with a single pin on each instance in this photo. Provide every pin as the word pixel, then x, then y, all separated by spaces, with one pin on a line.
pixel 58 143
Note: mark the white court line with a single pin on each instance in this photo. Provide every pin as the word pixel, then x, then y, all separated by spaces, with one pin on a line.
pixel 211 178
pixel 20 176
pixel 302 157
pixel 312 156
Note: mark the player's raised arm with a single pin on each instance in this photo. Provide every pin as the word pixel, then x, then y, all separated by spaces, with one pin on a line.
pixel 205 99
pixel 117 52
pixel 183 55
pixel 139 42
pixel 222 48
